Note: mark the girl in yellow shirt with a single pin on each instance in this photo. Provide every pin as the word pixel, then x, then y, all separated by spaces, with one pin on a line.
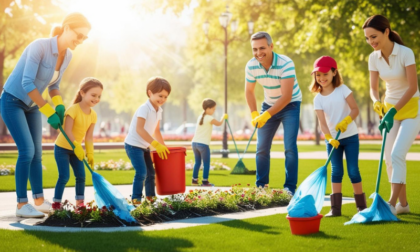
pixel 79 123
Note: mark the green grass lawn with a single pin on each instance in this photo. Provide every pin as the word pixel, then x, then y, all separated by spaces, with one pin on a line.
pixel 269 233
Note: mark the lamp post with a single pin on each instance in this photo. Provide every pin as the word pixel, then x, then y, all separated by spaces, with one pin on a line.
pixel 225 19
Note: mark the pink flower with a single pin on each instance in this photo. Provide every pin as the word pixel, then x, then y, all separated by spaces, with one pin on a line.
pixel 221 198
pixel 243 195
pixel 199 197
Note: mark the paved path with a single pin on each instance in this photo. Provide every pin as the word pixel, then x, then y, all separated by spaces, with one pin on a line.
pixel 411 156
pixel 8 219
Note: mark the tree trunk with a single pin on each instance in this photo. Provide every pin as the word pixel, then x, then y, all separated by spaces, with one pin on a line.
pixel 3 129
pixel 317 133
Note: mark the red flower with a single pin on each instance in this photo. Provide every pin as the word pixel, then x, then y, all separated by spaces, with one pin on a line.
pixel 56 206
pixel 239 184
pixel 243 195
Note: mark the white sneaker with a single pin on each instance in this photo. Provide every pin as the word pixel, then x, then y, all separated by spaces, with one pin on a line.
pixel 28 211
pixel 44 207
pixel 392 208
pixel 401 209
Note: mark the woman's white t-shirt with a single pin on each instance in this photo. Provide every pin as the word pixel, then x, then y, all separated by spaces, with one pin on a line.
pixel 203 132
pixel 152 117
pixel 335 109
pixel 394 73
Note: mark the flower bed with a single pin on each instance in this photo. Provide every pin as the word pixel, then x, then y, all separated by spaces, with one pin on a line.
pixel 195 203
pixel 112 165
pixel 6 170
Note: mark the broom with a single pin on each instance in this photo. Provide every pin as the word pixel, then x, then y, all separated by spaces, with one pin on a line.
pixel 315 185
pixel 106 194
pixel 379 210
pixel 240 167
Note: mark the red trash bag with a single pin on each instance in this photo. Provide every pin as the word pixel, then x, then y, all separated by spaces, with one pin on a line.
pixel 170 173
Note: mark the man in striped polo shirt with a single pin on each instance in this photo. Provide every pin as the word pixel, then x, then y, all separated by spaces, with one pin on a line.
pixel 282 98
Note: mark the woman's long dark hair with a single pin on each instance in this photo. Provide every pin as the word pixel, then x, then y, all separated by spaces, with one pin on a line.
pixel 381 23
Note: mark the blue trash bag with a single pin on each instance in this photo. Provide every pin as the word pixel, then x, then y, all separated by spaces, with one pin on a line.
pixel 107 195
pixel 315 185
pixel 378 211
pixel 303 208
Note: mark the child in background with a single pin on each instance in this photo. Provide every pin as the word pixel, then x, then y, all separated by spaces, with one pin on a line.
pixel 144 124
pixel 336 109
pixel 79 123
pixel 201 141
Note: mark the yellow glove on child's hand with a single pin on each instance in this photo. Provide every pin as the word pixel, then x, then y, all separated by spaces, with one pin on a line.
pixel 261 120
pixel 78 150
pixel 342 126
pixel 89 153
pixel 332 141
pixel 379 108
pixel 161 149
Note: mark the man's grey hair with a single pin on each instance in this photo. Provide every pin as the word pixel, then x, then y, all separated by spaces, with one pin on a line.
pixel 261 35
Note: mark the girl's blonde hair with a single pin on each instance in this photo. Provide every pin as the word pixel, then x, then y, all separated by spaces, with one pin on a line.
pixel 85 85
pixel 73 20
pixel 315 87
pixel 207 103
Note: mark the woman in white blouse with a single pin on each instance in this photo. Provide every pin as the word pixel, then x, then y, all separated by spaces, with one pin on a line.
pixel 395 64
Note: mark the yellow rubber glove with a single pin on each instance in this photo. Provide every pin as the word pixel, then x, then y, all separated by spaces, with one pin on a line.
pixel 379 108
pixel 161 149
pixel 89 153
pixel 225 116
pixel 254 115
pixel 78 150
pixel 261 119
pixel 49 112
pixel 59 107
pixel 332 141
pixel 342 126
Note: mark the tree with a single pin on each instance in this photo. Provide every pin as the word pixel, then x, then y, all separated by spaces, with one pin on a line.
pixel 20 23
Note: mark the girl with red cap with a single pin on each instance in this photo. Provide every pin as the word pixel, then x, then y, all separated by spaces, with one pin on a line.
pixel 336 109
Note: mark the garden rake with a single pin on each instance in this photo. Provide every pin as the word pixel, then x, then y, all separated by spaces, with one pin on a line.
pixel 240 167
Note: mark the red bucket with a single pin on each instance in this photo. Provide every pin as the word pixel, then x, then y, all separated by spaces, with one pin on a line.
pixel 170 173
pixel 304 226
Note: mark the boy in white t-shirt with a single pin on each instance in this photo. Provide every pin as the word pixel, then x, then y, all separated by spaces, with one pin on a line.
pixel 144 124
pixel 201 140
pixel 336 109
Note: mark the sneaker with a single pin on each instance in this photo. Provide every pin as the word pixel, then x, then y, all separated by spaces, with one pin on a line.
pixel 287 190
pixel 392 208
pixel 44 207
pixel 194 182
pixel 206 183
pixel 28 211
pixel 400 209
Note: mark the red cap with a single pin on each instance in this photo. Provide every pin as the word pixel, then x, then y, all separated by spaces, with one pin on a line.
pixel 324 64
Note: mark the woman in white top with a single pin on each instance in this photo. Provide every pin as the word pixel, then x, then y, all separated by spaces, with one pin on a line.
pixel 395 64
pixel 201 140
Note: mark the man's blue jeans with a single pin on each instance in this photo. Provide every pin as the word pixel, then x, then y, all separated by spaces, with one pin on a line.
pixel 201 152
pixel 63 158
pixel 145 172
pixel 349 146
pixel 25 126
pixel 289 117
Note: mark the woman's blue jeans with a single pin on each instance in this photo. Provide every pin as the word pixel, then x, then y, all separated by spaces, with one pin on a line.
pixel 64 158
pixel 289 117
pixel 145 172
pixel 349 146
pixel 201 152
pixel 25 126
